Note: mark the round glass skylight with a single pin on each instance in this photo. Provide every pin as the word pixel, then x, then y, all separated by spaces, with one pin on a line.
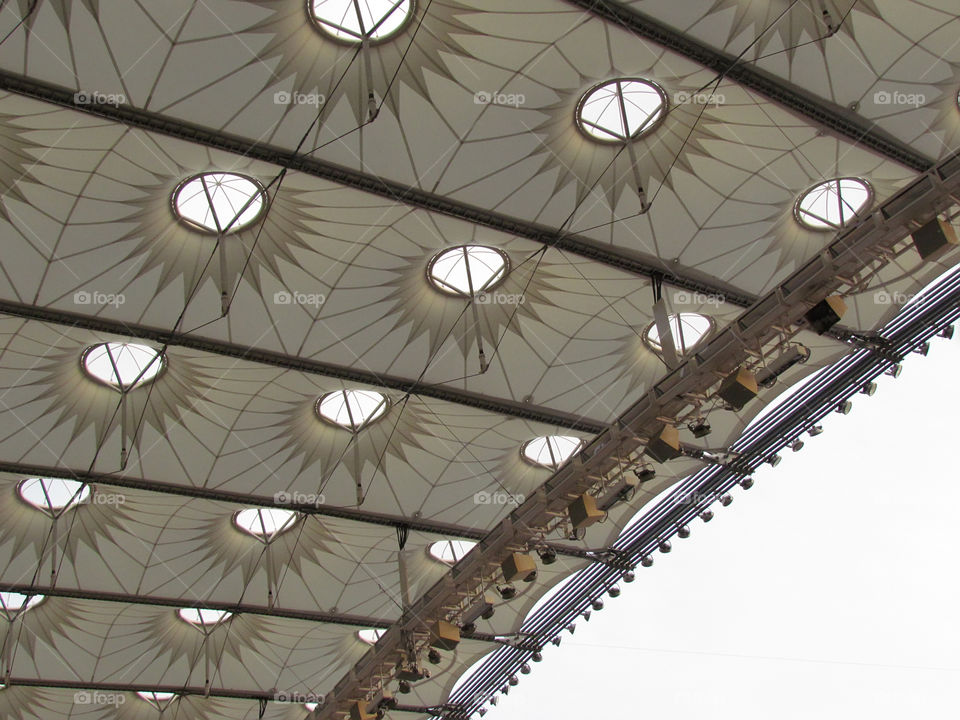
pixel 621 110
pixel 551 451
pixel 122 366
pixel 219 202
pixel 265 523
pixel 352 409
pixel 353 21
pixel 53 495
pixel 311 706
pixel 467 270
pixel 688 329
pixel 450 551
pixel 158 699
pixel 203 617
pixel 833 204
pixel 12 603
pixel 370 635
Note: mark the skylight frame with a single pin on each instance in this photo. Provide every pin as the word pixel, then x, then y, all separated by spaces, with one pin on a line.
pixel 113 349
pixel 558 455
pixel 232 225
pixel 381 410
pixel 597 132
pixel 493 281
pixel 218 617
pixel 79 496
pixel 292 518
pixel 352 36
pixel 677 321
pixel 457 548
pixel 820 224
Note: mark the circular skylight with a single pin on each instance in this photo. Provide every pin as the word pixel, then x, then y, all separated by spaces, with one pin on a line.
pixel 53 495
pixel 688 329
pixel 353 21
pixel 311 706
pixel 219 202
pixel 370 635
pixel 450 551
pixel 122 366
pixel 203 617
pixel 265 523
pixel 833 204
pixel 352 409
pixel 467 270
pixel 621 110
pixel 158 699
pixel 12 603
pixel 551 451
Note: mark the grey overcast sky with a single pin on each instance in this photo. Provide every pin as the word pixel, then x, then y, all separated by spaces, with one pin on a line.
pixel 829 589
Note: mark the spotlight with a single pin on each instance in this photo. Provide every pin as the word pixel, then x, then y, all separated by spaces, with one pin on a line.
pixel 571 628
pixel 404 687
pixel 556 640
pixel 614 591
pixel 894 371
pixel 706 515
pixel 646 561
pixel 505 690
pixel 481 712
pixel 468 629
pixel 665 546
pixel 946 333
pixel 797 445
pixel 774 460
pixel 548 556
pixel 507 592
pixel 434 657
pixel 597 605
pixel 525 669
pixel 629 576
pixel 923 349
pixel 514 681
pixel 815 430
pixel 645 474
pixel 700 428
pixel 725 500
pixel 585 615
pixel 537 656
pixel 845 407
pixel 746 483
pixel 530 577
pixel 683 532
pixel 869 389
pixel 493 701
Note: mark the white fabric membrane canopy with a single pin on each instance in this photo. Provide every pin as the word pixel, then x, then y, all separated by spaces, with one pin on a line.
pixel 227 383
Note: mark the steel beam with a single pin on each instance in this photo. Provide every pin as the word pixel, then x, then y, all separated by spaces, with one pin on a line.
pixel 621 258
pixel 829 115
pixel 510 408
pixel 362 516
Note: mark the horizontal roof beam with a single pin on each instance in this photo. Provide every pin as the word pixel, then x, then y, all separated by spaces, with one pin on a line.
pixel 217 495
pixel 621 258
pixel 501 406
pixel 237 608
pixel 824 113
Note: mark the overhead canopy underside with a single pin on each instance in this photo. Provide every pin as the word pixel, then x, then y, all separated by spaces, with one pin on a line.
pixel 108 106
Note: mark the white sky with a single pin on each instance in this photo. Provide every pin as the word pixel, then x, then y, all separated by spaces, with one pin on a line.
pixel 829 589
